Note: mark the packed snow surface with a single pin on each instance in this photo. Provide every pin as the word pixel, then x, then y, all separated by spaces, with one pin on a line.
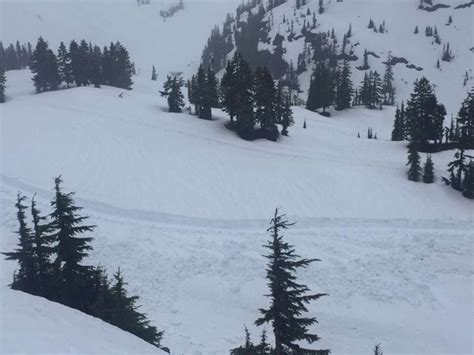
pixel 182 206
pixel 33 325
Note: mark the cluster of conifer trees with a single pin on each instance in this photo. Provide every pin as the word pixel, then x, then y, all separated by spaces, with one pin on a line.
pixel 16 56
pixel 172 91
pixel 422 124
pixel 251 98
pixel 203 92
pixel 80 64
pixel 50 255
pixel 3 83
pixel 288 300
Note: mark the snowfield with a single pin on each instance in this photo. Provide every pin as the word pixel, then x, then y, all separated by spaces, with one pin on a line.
pixel 33 325
pixel 182 206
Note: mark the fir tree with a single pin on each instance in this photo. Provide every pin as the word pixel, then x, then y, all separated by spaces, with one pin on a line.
pixel 172 91
pixel 248 348
pixel 285 112
pixel 414 171
pixel 3 81
pixel 428 171
pixel 154 75
pixel 265 99
pixel 64 65
pixel 125 315
pixel 288 298
pixel 398 132
pixel 344 88
pixel 321 92
pixel 468 183
pixel 96 67
pixel 424 115
pixel 388 89
pixel 123 69
pixel 212 85
pixel 75 62
pixel 70 249
pixel 25 278
pixel 457 168
pixel 44 66
pixel 465 121
pixel 42 250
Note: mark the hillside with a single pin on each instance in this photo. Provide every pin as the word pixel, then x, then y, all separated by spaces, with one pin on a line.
pixel 182 206
pixel 33 325
pixel 290 34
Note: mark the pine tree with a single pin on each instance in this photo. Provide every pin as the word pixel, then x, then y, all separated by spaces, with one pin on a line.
pixel 285 112
pixel 64 65
pixel 96 67
pixel 344 88
pixel 466 122
pixel 25 278
pixel 457 168
pixel 82 76
pixel 212 85
pixel 154 75
pixel 123 70
pixel 428 171
pixel 71 249
pixel 75 62
pixel 265 99
pixel 288 298
pixel 398 132
pixel 321 92
pixel 42 250
pixel 172 91
pixel 388 89
pixel 424 115
pixel 248 348
pixel 201 94
pixel 3 81
pixel 44 66
pixel 125 315
pixel 468 183
pixel 414 171
pixel 263 348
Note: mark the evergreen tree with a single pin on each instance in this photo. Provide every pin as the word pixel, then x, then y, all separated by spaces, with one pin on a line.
pixel 96 66
pixel 288 298
pixel 468 183
pixel 388 89
pixel 154 75
pixel 172 91
pixel 457 168
pixel 375 91
pixel 44 66
pixel 202 97
pixel 344 88
pixel 466 122
pixel 398 132
pixel 321 92
pixel 414 171
pixel 42 250
pixel 228 88
pixel 284 112
pixel 248 348
pixel 3 81
pixel 123 69
pixel 71 249
pixel 265 99
pixel 25 278
pixel 428 171
pixel 75 62
pixel 64 65
pixel 424 115
pixel 83 64
pixel 125 315
pixel 263 348
pixel 212 85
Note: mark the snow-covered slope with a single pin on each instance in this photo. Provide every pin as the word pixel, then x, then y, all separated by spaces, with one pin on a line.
pixel 33 325
pixel 173 44
pixel 182 206
pixel 400 18
pixel 130 154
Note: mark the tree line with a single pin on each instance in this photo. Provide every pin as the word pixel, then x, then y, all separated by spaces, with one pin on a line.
pixel 16 56
pixel 254 102
pixel 421 123
pixel 50 254
pixel 80 64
